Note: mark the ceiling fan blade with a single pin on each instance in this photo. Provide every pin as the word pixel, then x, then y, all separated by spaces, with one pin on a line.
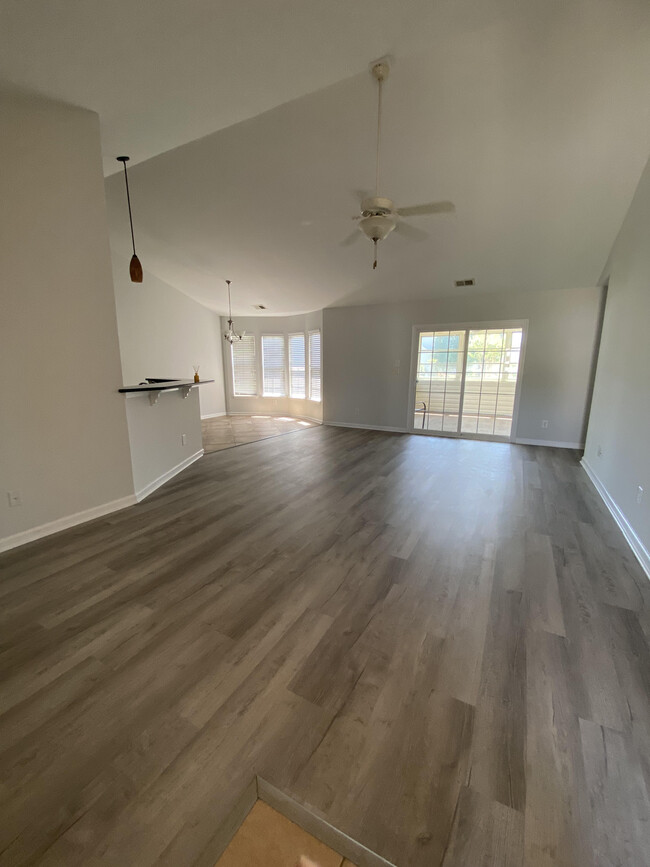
pixel 354 236
pixel 410 232
pixel 431 208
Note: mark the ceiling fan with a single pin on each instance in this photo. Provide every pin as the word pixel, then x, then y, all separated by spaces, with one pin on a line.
pixel 378 215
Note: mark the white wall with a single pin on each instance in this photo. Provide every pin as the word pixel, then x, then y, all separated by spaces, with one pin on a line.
pixel 619 425
pixel 164 332
pixel 63 427
pixel 259 325
pixel 155 433
pixel 361 345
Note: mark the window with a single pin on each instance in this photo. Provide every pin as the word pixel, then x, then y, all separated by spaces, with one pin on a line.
pixel 244 371
pixel 466 381
pixel 273 365
pixel 297 365
pixel 314 366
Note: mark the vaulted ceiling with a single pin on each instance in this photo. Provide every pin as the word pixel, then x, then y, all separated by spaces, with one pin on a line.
pixel 251 130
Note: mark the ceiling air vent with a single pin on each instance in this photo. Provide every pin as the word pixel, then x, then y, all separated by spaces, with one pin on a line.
pixel 465 282
pixel 260 307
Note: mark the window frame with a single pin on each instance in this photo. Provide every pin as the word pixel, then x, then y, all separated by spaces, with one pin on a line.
pixel 311 331
pixel 285 362
pixel 468 326
pixel 255 368
pixel 305 352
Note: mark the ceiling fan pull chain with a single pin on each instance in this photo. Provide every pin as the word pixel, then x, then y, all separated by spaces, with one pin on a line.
pixel 374 264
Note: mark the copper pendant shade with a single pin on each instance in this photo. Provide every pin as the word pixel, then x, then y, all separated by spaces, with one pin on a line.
pixel 135 268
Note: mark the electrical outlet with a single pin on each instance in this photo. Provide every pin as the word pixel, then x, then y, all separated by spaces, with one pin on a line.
pixel 14 498
pixel 183 439
pixel 545 423
pixel 639 494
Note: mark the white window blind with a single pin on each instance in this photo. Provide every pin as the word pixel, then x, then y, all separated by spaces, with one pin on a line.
pixel 314 366
pixel 297 365
pixel 244 370
pixel 273 365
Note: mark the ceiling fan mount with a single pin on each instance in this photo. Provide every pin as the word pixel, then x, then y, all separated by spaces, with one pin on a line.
pixel 375 206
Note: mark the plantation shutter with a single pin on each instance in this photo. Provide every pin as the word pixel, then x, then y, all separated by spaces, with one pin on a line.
pixel 244 370
pixel 297 365
pixel 273 365
pixel 314 366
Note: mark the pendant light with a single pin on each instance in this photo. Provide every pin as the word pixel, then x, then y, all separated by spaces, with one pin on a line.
pixel 231 335
pixel 135 268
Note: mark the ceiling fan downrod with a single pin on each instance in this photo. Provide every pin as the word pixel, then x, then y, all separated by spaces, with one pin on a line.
pixel 380 72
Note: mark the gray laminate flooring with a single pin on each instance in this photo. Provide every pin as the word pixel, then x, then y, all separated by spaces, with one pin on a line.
pixel 441 645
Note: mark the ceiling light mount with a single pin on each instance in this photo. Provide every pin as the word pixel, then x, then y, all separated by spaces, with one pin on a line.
pixel 135 268
pixel 380 68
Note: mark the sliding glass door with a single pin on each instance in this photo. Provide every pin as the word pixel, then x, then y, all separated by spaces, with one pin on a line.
pixel 466 380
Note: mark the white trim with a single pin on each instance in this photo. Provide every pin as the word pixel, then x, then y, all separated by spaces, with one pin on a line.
pixel 522 441
pixel 65 523
pixel 366 426
pixel 165 477
pixel 638 548
pixel 213 415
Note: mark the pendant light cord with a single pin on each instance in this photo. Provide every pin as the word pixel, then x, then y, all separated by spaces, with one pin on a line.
pixel 229 306
pixel 128 199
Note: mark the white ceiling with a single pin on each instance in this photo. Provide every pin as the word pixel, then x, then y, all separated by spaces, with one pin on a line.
pixel 164 72
pixel 532 117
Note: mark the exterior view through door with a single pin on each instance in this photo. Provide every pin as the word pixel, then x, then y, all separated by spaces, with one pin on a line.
pixel 467 380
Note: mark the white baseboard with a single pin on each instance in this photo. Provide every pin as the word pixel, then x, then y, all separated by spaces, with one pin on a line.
pixel 214 415
pixel 640 551
pixel 366 426
pixel 550 443
pixel 165 477
pixel 65 523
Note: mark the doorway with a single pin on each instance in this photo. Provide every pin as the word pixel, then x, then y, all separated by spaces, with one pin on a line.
pixel 466 380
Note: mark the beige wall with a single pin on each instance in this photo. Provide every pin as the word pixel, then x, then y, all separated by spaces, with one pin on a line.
pixel 164 332
pixel 63 429
pixel 362 344
pixel 259 325
pixel 618 441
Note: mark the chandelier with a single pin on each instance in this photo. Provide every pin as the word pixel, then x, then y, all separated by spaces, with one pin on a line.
pixel 231 335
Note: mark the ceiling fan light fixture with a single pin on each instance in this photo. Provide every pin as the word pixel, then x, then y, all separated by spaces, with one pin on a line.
pixel 377 227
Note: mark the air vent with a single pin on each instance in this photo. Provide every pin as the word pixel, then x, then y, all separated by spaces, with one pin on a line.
pixel 260 307
pixel 464 282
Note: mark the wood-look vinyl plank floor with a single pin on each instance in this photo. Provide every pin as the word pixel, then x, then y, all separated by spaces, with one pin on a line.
pixel 439 645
